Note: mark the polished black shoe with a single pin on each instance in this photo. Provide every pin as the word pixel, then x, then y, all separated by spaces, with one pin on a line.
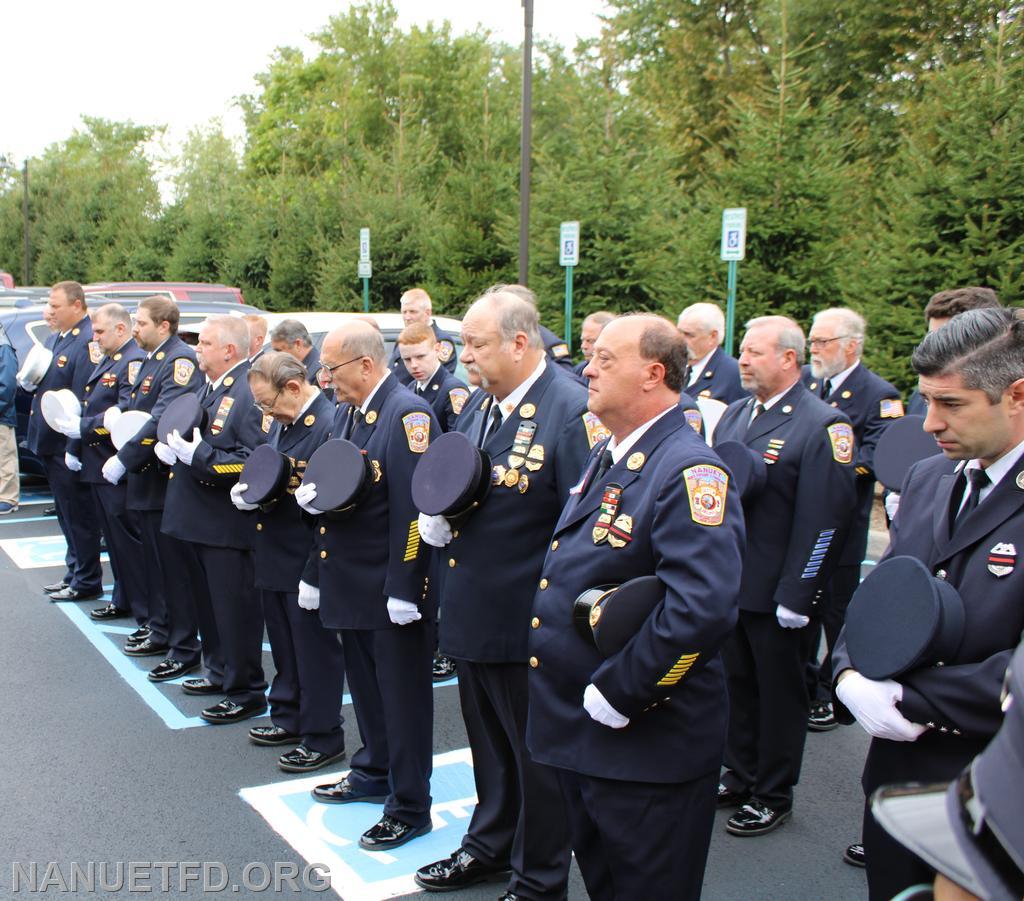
pixel 108 612
pixel 854 856
pixel 729 798
pixel 73 594
pixel 170 669
pixel 139 635
pixel 272 735
pixel 509 896
pixel 343 793
pixel 145 648
pixel 444 668
pixel 55 586
pixel 390 833
pixel 49 511
pixel 455 872
pixel 821 718
pixel 201 687
pixel 756 818
pixel 304 760
pixel 227 711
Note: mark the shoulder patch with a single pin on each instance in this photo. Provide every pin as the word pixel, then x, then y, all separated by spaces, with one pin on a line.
pixel 95 352
pixel 445 350
pixel 891 408
pixel 840 436
pixel 417 431
pixel 595 429
pixel 559 350
pixel 183 369
pixel 266 423
pixel 133 371
pixel 707 487
pixel 694 419
pixel 458 397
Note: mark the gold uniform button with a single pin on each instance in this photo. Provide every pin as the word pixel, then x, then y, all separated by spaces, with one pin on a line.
pixel 455 534
pixel 543 584
pixel 170 475
pixel 451 563
pixel 534 662
pixel 259 527
pixel 323 530
pixel 554 545
pixel 323 555
pixel 535 623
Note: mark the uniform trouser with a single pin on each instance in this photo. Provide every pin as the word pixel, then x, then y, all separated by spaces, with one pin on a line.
pixel 519 820
pixel 640 839
pixel 389 675
pixel 230 618
pixel 305 696
pixel 768 707
pixel 10 484
pixel 175 628
pixel 76 514
pixel 124 547
pixel 836 598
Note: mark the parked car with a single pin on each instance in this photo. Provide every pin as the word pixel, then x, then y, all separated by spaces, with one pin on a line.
pixel 177 291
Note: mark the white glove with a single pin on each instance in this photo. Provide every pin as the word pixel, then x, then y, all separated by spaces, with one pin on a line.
pixel 164 454
pixel 790 619
pixel 305 494
pixel 309 597
pixel 72 462
pixel 27 385
pixel 184 450
pixel 892 504
pixel 600 710
pixel 873 702
pixel 402 612
pixel 113 470
pixel 236 497
pixel 112 415
pixel 434 530
pixel 70 426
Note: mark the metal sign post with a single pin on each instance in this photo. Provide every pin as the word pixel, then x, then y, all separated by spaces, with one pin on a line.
pixel 365 266
pixel 569 257
pixel 734 248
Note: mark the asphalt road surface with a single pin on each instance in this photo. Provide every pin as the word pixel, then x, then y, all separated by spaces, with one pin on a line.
pixel 110 778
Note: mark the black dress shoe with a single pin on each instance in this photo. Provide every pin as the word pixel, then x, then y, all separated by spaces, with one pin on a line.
pixel 390 833
pixel 729 798
pixel 304 760
pixel 821 717
pixel 854 856
pixel 227 711
pixel 756 818
pixel 55 586
pixel 455 872
pixel 272 735
pixel 108 612
pixel 343 793
pixel 138 635
pixel 201 687
pixel 73 594
pixel 145 648
pixel 444 668
pixel 509 896
pixel 49 511
pixel 170 669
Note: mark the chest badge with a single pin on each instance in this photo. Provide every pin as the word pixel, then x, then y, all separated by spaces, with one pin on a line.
pixel 147 383
pixel 1001 559
pixel 609 507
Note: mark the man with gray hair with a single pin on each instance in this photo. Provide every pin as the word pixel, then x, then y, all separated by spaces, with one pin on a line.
pixel 291 337
pixel 536 429
pixel 590 331
pixel 711 372
pixel 416 306
pixel 795 526
pixel 837 375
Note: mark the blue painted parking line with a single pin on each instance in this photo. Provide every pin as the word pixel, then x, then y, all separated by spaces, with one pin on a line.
pixel 329 833
pixel 38 552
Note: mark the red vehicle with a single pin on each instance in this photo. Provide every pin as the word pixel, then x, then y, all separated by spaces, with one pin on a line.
pixel 176 291
pixel 6 280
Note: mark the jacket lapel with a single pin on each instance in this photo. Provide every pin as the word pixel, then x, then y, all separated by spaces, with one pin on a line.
pixel 1004 501
pixel 500 442
pixel 361 433
pixel 780 412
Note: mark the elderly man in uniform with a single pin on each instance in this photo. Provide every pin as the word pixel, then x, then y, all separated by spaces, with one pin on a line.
pixel 534 425
pixel 167 371
pixel 590 329
pixel 291 337
pixel 965 526
pixel 198 511
pixel 837 375
pixel 417 307
pixel 257 335
pixel 636 737
pixel 368 576
pixel 710 372
pixel 309 664
pixel 430 380
pixel 73 361
pixel 110 385
pixel 795 527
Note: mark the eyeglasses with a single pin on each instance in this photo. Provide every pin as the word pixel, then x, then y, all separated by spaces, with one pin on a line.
pixel 266 408
pixel 330 369
pixel 821 342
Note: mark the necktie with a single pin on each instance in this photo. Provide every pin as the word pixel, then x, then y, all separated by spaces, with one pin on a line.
pixel 494 421
pixel 826 388
pixel 354 419
pixel 687 376
pixel 204 392
pixel 758 410
pixel 603 465
pixel 978 480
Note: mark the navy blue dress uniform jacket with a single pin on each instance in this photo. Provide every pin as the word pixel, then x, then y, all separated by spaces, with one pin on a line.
pixel 661 527
pixel 283 532
pixel 170 372
pixel 446 353
pixel 796 523
pixel 73 362
pixel 447 396
pixel 490 568
pixel 198 505
pixel 872 404
pixel 719 379
pixel 373 552
pixel 110 385
pixel 556 349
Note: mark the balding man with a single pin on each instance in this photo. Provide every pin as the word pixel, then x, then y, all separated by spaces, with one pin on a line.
pixel 534 425
pixel 257 334
pixel 711 372
pixel 589 332
pixel 367 574
pixel 416 306
pixel 636 738
pixel 795 526
pixel 291 337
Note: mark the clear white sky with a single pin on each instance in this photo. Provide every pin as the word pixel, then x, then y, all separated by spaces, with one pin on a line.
pixel 180 64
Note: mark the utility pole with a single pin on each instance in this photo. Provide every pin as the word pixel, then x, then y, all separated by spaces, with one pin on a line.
pixel 524 151
pixel 24 215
